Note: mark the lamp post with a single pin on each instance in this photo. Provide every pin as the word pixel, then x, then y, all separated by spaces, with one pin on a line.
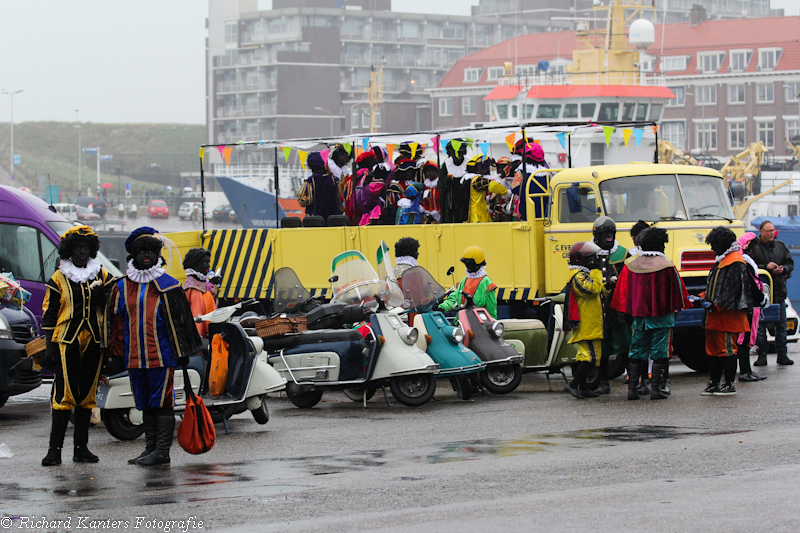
pixel 11 93
pixel 328 112
pixel 78 127
pixel 685 94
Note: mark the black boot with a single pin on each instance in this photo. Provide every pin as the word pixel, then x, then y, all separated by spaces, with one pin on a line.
pixel 165 429
pixel 783 359
pixel 81 453
pixel 634 374
pixel 150 423
pixel 762 359
pixel 659 375
pixel 60 420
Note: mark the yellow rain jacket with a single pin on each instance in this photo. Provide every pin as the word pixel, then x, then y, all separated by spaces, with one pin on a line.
pixel 478 207
pixel 587 288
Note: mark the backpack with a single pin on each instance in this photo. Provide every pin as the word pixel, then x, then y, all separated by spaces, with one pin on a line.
pixel 305 196
pixel 218 375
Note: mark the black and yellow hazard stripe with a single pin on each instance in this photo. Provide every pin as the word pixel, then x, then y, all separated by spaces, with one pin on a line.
pixel 243 259
pixel 507 295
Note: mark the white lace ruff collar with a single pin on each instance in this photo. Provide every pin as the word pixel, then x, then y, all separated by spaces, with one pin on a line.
pixel 431 184
pixel 652 254
pixel 145 276
pixel 455 170
pixel 735 247
pixel 481 272
pixel 611 251
pixel 196 274
pixel 77 274
pixel 634 250
pixel 406 260
pixel 580 267
pixel 337 171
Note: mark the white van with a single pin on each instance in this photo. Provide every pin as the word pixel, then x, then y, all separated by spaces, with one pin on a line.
pixel 68 211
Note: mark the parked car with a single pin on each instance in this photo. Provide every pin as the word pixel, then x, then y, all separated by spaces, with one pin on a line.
pixel 85 215
pixel 68 211
pixel 222 213
pixel 185 210
pixel 95 203
pixel 792 331
pixel 17 376
pixel 232 216
pixel 158 209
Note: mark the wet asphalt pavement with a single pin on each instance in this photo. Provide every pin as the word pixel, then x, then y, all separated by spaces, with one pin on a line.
pixel 533 460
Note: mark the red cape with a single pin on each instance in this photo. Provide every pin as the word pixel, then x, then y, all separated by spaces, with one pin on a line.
pixel 650 286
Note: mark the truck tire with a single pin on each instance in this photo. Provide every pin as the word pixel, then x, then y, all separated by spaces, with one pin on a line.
pixel 119 425
pixel 690 345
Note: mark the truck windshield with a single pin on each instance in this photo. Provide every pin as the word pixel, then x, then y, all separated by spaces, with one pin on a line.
pixel 51 262
pixel 705 197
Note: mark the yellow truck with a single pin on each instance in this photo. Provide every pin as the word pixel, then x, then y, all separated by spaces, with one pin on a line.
pixel 525 259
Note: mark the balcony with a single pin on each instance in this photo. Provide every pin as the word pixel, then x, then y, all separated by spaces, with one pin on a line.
pixel 237 87
pixel 265 36
pixel 259 57
pixel 247 111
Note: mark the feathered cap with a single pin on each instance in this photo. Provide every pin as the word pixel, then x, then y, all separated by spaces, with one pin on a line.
pixel 83 231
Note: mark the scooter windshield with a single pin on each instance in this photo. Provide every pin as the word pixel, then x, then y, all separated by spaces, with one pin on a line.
pixel 357 281
pixel 391 289
pixel 290 295
pixel 419 288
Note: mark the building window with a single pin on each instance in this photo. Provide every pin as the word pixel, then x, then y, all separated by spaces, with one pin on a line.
pixel 674 132
pixel 680 97
pixel 525 70
pixel 766 133
pixel 445 107
pixel 792 129
pixel 453 32
pixel 231 31
pixel 468 105
pixel 766 93
pixel 768 58
pixel 377 118
pixel 736 135
pixel 706 136
pixel 354 119
pixel 736 94
pixel 472 75
pixel 365 118
pixel 495 73
pixel 706 95
pixel 740 59
pixel 709 61
pixel 675 63
pixel 792 92
pixel 487 108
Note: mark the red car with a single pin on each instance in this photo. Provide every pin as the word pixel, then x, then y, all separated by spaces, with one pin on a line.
pixel 85 214
pixel 158 209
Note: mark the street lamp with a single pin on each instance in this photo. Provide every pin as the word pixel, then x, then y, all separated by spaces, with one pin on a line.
pixel 685 94
pixel 78 127
pixel 328 112
pixel 11 93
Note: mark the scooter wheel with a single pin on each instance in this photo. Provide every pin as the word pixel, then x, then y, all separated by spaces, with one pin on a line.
pixel 303 397
pixel 462 386
pixel 414 390
pixel 501 379
pixel 357 393
pixel 119 425
pixel 261 413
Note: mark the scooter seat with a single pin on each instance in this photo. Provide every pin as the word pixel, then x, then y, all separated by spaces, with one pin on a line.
pixel 287 342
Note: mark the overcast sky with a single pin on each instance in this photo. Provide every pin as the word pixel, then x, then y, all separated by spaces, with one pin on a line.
pixel 129 61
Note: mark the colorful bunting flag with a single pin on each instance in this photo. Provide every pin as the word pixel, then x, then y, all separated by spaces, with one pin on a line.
pixel 469 142
pixel 456 145
pixel 287 151
pixel 348 148
pixel 484 148
pixel 221 149
pixel 626 135
pixel 607 131
pixel 435 141
pixel 365 143
pixel 325 154
pixel 302 155
pixel 202 153
pixel 561 137
pixel 226 153
pixel 510 141
pixel 413 147
pixel 390 150
pixel 637 135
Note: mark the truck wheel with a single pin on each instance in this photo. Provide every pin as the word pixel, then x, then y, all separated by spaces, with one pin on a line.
pixel 119 425
pixel 261 413
pixel 690 345
pixel 501 379
pixel 414 390
pixel 357 393
pixel 303 397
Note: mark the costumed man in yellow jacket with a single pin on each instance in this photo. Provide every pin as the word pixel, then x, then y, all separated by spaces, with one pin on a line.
pixel 481 185
pixel 583 314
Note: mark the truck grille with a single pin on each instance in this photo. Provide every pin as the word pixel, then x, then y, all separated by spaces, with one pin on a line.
pixel 699 260
pixel 22 334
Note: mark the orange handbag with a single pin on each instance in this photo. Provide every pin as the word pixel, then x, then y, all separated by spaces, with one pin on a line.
pixel 196 433
pixel 218 376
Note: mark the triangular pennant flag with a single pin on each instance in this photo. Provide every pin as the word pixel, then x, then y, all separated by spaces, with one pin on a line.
pixel 607 131
pixel 435 141
pixel 325 154
pixel 365 143
pixel 626 135
pixel 637 134
pixel 469 142
pixel 456 145
pixel 202 153
pixel 221 149
pixel 413 147
pixel 348 148
pixel 302 155
pixel 359 151
pixel 510 141
pixel 484 148
pixel 536 142
pixel 287 151
pixel 390 150
pixel 560 138
pixel 226 153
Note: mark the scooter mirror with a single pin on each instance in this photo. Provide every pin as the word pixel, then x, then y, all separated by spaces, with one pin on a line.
pixel 451 270
pixel 333 279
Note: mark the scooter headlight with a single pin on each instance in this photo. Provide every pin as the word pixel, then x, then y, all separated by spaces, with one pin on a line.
pixel 497 329
pixel 458 335
pixel 409 335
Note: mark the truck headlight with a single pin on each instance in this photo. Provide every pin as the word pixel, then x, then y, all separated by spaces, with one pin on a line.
pixel 409 335
pixel 497 329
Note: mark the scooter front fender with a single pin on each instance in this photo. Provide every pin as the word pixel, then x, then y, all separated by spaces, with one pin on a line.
pixel 265 379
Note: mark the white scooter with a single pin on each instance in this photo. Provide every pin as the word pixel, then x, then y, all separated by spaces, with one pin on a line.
pixel 250 379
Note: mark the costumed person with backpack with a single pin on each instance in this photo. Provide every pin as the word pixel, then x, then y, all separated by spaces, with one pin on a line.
pixel 617 334
pixel 72 319
pixel 149 323
pixel 583 313
pixel 453 183
pixel 431 197
pixel 319 193
pixel 476 283
pixel 480 186
pixel 730 295
pixel 650 290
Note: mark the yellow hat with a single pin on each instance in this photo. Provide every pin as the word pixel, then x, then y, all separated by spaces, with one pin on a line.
pixel 474 253
pixel 83 231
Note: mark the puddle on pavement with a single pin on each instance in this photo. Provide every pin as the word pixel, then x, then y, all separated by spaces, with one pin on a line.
pixel 201 482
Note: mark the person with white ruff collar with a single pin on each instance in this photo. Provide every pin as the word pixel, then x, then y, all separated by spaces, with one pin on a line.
pixel 476 283
pixel 454 184
pixel 149 323
pixel 72 314
pixel 406 253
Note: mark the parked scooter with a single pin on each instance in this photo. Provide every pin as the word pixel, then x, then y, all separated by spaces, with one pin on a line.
pixel 442 341
pixel 250 379
pixel 343 359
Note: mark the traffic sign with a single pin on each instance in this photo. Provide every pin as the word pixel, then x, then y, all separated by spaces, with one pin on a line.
pixel 106 157
pixel 16 160
pixel 128 186
pixel 91 150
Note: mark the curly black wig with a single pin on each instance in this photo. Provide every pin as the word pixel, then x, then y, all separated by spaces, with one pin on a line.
pixel 720 239
pixel 637 229
pixel 71 241
pixel 653 239
pixel 145 243
pixel 407 246
pixel 195 257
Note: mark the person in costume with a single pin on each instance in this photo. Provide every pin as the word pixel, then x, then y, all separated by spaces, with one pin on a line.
pixel 500 207
pixel 337 166
pixel 149 323
pixel 480 186
pixel 453 183
pixel 644 385
pixel 198 287
pixel 326 200
pixel 730 294
pixel 530 158
pixel 748 341
pixel 636 230
pixel 431 197
pixel 403 175
pixel 617 334
pixel 584 314
pixel 72 318
pixel 406 253
pixel 409 209
pixel 650 290
pixel 373 178
pixel 476 283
